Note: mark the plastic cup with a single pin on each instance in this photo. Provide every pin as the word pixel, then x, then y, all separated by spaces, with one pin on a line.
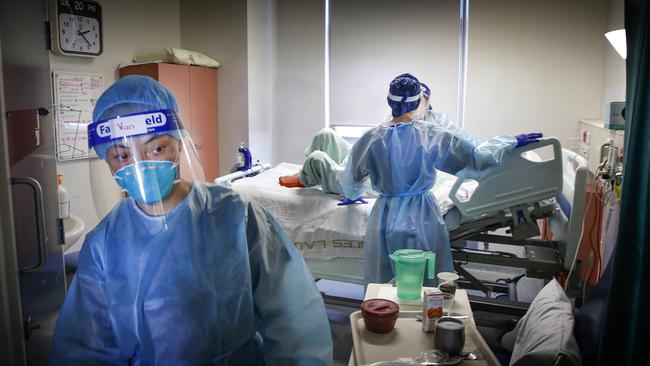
pixel 448 283
pixel 447 277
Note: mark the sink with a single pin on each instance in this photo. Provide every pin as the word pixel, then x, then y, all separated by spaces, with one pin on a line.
pixel 73 227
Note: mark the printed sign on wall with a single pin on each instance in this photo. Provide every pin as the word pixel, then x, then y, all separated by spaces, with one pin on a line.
pixel 75 95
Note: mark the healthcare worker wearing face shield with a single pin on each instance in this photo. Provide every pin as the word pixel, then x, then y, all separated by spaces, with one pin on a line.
pixel 181 272
pixel 400 158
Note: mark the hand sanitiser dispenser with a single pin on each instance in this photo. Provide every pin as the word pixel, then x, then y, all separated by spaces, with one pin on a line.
pixel 244 158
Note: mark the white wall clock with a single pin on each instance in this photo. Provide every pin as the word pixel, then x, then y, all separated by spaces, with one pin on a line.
pixel 76 27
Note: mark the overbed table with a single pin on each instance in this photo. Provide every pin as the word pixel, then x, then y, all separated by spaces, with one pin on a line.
pixel 408 339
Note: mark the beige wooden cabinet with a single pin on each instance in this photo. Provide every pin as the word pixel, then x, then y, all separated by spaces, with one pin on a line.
pixel 195 88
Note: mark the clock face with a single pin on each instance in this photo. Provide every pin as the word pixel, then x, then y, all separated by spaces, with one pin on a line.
pixel 79 27
pixel 79 34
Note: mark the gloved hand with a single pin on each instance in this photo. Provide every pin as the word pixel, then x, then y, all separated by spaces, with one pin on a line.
pixel 346 201
pixel 527 138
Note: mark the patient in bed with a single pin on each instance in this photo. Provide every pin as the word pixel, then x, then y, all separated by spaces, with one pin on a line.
pixel 326 159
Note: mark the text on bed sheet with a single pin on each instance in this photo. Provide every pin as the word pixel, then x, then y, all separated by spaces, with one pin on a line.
pixel 324 244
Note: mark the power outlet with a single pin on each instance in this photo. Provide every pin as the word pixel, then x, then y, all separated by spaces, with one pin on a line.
pixel 584 151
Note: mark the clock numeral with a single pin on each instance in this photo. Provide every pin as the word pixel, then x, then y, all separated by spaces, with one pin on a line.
pixel 62 31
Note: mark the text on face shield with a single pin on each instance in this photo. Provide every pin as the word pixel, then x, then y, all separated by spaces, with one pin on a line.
pixel 131 125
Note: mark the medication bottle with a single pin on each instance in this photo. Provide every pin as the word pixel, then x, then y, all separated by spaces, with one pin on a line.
pixel 64 200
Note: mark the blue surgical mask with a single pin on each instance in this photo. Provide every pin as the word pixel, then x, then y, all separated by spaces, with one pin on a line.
pixel 148 181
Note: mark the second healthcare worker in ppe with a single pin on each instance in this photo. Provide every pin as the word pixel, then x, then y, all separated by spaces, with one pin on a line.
pixel 182 272
pixel 400 158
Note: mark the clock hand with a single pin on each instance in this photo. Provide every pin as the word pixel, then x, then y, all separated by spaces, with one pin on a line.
pixel 85 39
pixel 82 33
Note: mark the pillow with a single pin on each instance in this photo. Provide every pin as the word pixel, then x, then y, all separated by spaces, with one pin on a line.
pixel 544 336
pixel 177 56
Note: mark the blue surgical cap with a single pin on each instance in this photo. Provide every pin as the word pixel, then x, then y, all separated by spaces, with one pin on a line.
pixel 404 94
pixel 132 94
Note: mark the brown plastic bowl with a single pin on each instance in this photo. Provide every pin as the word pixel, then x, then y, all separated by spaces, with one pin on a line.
pixel 379 315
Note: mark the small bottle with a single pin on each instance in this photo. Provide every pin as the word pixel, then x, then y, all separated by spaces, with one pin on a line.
pixel 64 200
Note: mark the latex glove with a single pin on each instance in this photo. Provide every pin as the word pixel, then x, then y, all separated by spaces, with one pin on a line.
pixel 346 201
pixel 527 138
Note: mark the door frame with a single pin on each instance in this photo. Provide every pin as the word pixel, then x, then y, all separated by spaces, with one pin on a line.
pixel 12 346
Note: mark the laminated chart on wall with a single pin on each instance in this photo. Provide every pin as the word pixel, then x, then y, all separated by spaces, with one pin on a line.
pixel 75 95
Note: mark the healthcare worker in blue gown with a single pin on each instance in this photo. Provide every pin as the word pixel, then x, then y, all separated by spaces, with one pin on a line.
pixel 181 272
pixel 400 157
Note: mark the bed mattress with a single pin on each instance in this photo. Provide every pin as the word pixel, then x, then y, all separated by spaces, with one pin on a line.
pixel 312 220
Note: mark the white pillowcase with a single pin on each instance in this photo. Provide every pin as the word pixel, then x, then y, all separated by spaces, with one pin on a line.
pixel 544 336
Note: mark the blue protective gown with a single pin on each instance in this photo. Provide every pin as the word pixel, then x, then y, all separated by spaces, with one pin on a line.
pixel 219 284
pixel 401 162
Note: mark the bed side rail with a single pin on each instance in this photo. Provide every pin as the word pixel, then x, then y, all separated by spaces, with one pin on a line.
pixel 519 181
pixel 226 180
pixel 567 225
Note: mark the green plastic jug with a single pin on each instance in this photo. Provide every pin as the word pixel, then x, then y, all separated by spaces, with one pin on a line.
pixel 409 271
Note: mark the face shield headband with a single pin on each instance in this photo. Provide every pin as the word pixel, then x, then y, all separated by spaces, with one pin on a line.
pixel 132 125
pixel 424 93
pixel 146 181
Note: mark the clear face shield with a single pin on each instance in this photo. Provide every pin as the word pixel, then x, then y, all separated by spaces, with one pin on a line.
pixel 149 155
pixel 420 113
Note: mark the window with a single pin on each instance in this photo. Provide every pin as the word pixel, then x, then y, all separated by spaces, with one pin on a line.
pixel 372 41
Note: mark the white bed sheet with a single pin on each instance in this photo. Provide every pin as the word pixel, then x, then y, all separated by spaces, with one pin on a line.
pixel 312 220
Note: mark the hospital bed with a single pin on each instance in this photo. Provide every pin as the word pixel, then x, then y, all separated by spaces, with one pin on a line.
pixel 331 237
pixel 556 256
pixel 542 258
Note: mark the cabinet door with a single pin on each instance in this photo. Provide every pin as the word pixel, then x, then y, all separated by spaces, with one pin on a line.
pixel 176 78
pixel 204 131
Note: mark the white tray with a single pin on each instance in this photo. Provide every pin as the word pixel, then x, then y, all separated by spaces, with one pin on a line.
pixel 408 340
